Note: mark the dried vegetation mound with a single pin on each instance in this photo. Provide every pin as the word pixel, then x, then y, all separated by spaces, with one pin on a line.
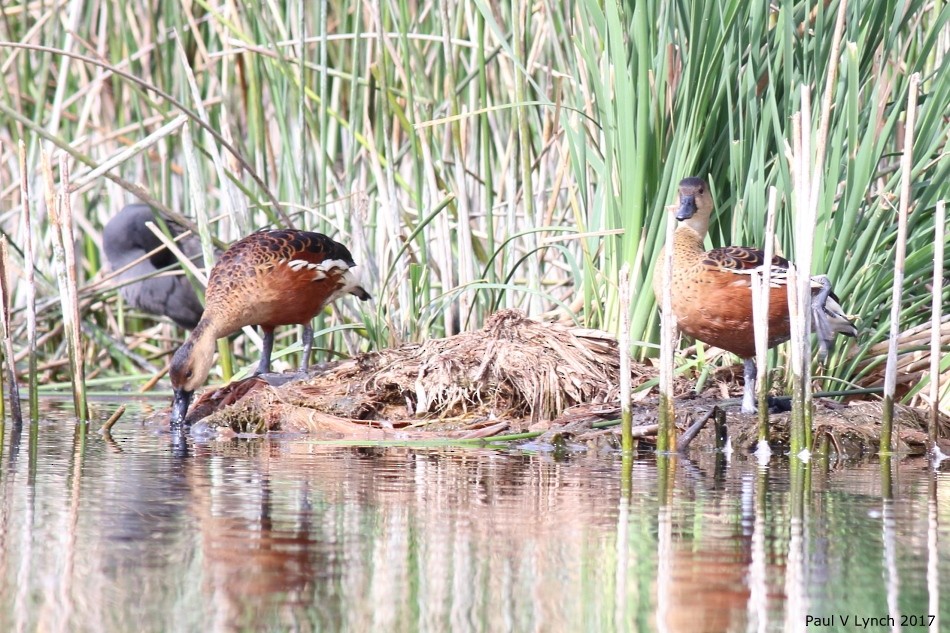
pixel 513 368
pixel 514 365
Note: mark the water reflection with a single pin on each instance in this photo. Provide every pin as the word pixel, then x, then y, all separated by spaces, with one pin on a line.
pixel 278 535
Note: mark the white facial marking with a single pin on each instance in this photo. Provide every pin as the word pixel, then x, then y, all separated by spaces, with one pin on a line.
pixel 331 264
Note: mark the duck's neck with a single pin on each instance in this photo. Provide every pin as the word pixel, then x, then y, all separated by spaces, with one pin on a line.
pixel 202 343
pixel 687 240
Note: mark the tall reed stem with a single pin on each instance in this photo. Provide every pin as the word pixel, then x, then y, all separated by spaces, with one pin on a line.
pixel 940 236
pixel 626 416
pixel 799 277
pixel 29 267
pixel 900 255
pixel 61 218
pixel 7 333
pixel 761 284
pixel 666 438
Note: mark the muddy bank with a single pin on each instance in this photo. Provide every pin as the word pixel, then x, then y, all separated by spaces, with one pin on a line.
pixel 515 375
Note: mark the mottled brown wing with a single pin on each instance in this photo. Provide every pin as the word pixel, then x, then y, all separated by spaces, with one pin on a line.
pixel 260 252
pixel 312 247
pixel 740 258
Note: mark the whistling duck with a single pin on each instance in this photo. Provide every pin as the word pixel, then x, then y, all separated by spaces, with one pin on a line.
pixel 269 278
pixel 126 239
pixel 712 291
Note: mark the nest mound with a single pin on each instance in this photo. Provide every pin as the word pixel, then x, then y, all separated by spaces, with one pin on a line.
pixel 514 368
pixel 513 375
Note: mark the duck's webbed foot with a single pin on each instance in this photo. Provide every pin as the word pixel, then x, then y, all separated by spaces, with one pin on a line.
pixel 819 318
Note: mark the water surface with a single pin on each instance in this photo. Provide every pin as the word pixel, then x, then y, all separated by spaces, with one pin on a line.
pixel 288 534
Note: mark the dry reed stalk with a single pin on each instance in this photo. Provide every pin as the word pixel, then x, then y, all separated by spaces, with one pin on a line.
pixel 623 339
pixel 826 100
pixel 799 342
pixel 92 178
pixel 666 439
pixel 890 373
pixel 78 364
pixel 59 211
pixel 172 245
pixel 389 208
pixel 33 375
pixel 805 220
pixel 234 203
pixel 761 283
pixel 940 228
pixel 521 25
pixel 7 333
pixel 796 422
pixel 805 226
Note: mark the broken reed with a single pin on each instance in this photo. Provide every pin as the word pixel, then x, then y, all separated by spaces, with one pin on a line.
pixel 666 438
pixel 6 331
pixel 799 277
pixel 626 415
pixel 29 267
pixel 807 173
pixel 940 228
pixel 900 256
pixel 64 259
pixel 761 286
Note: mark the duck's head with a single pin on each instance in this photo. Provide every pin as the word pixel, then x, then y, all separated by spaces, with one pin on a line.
pixel 694 198
pixel 189 369
pixel 695 205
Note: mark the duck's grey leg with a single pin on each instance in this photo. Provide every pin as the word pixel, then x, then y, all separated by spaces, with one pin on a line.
pixel 749 374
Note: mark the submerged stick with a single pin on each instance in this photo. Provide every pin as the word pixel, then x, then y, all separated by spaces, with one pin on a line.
pixel 940 227
pixel 7 333
pixel 32 372
pixel 900 255
pixel 694 429
pixel 626 415
pixel 107 427
pixel 666 438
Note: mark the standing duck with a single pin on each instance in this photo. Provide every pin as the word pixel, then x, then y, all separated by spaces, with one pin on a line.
pixel 126 239
pixel 712 290
pixel 269 278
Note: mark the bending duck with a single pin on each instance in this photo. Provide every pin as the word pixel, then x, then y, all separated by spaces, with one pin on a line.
pixel 269 278
pixel 712 291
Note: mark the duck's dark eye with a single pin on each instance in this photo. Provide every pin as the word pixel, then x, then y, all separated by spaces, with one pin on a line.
pixel 701 191
pixel 189 373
